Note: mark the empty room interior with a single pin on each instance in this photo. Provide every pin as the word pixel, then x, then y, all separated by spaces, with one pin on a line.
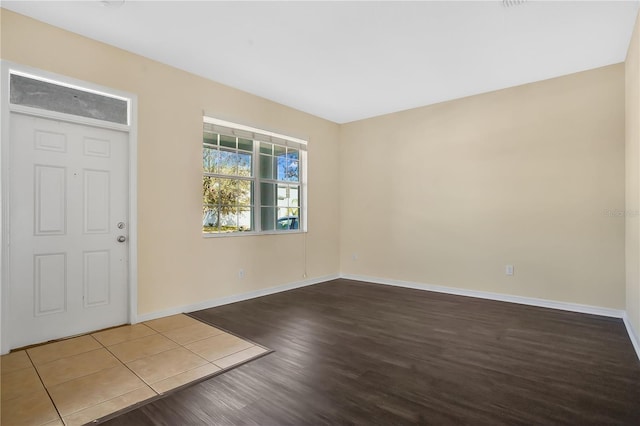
pixel 287 213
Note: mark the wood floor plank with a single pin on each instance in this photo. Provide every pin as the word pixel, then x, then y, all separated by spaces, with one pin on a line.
pixel 348 352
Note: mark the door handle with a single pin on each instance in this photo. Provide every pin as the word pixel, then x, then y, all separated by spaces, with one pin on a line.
pixel 121 238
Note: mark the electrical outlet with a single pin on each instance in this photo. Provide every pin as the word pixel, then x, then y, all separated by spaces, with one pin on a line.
pixel 241 273
pixel 508 270
pixel 354 256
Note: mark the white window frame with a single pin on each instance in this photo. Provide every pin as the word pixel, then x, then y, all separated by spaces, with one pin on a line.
pixel 259 135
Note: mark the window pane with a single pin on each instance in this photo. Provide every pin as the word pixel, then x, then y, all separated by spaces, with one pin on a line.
pixel 291 165
pixel 266 167
pixel 285 219
pixel 283 195
pixel 209 190
pixel 228 219
pixel 268 218
pixel 283 223
pixel 207 165
pixel 288 196
pixel 244 193
pixel 291 173
pixel 268 194
pixel 279 150
pixel 209 219
pixel 226 204
pixel 227 163
pixel 293 212
pixel 281 167
pixel 228 141
pixel 245 144
pixel 293 154
pixel 211 161
pixel 244 164
pixel 229 192
pixel 294 196
pixel 266 148
pixel 245 219
pixel 210 138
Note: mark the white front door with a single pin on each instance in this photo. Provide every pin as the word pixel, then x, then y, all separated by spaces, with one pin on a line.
pixel 67 209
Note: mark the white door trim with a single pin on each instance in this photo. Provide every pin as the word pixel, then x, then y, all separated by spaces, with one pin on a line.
pixel 132 130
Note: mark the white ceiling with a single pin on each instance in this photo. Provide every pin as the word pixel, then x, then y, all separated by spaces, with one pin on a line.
pixel 346 61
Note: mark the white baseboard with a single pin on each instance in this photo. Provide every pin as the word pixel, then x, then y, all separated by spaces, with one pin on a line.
pixel 544 303
pixel 234 298
pixel 633 336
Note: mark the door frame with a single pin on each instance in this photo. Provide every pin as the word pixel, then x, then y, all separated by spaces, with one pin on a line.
pixel 6 110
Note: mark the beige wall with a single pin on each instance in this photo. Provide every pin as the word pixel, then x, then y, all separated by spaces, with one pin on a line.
pixel 450 193
pixel 446 194
pixel 632 77
pixel 177 266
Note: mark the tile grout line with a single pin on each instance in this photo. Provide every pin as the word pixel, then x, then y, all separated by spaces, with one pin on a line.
pixel 143 381
pixel 199 340
pixel 182 346
pixel 253 344
pixel 121 363
pixel 111 399
pixel 127 341
pixel 220 369
pixel 212 363
pixel 46 389
pixel 133 340
pixel 222 357
pixel 74 378
pixel 207 322
pixel 133 372
pixel 142 357
pixel 85 408
pixel 180 328
pixel 102 402
pixel 266 352
pixel 201 357
pixel 167 337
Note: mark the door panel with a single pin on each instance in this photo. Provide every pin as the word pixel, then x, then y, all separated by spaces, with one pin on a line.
pixel 97 265
pixel 50 200
pixel 68 190
pixel 50 283
pixel 96 201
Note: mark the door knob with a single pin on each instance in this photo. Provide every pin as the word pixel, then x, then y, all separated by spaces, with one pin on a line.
pixel 122 238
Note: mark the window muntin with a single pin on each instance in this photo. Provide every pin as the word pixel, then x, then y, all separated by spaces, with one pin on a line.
pixel 250 185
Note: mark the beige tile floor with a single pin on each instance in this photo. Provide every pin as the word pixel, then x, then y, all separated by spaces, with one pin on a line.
pixel 75 381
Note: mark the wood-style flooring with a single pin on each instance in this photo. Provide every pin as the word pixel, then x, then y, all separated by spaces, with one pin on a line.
pixel 348 352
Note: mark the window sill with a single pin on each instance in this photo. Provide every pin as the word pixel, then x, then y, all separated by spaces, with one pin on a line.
pixel 252 234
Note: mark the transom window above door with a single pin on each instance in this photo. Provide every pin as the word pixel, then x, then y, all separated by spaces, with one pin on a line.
pixel 253 181
pixel 41 93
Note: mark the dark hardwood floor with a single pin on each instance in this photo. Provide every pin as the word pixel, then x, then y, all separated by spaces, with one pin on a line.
pixel 354 353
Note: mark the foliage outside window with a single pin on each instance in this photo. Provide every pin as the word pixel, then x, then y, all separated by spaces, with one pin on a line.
pixel 251 182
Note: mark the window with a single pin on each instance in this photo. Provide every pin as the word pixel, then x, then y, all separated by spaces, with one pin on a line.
pixel 253 181
pixel 36 92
